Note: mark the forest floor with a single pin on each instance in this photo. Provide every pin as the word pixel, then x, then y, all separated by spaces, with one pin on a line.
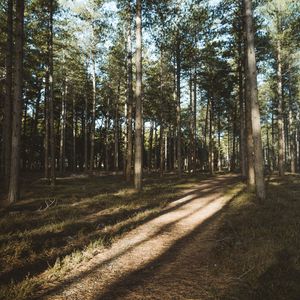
pixel 194 238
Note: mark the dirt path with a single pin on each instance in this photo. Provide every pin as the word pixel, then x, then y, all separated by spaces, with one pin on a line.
pixel 161 259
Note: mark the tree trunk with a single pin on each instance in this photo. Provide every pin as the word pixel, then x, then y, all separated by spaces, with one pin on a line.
pixel 116 146
pixel 51 95
pixel 249 136
pixel 178 108
pixel 255 114
pixel 14 184
pixel 86 163
pixel 93 125
pixel 211 146
pixel 281 139
pixel 150 153
pixel 243 162
pixel 74 131
pixel 63 131
pixel 7 121
pixel 129 98
pixel 138 94
pixel 194 108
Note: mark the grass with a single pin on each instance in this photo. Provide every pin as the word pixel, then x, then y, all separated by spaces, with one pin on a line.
pixel 258 253
pixel 53 230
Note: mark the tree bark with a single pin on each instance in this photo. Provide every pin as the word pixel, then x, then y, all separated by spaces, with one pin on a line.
pixel 281 138
pixel 51 96
pixel 62 142
pixel 178 108
pixel 138 94
pixel 93 125
pixel 255 113
pixel 7 125
pixel 14 184
pixel 129 98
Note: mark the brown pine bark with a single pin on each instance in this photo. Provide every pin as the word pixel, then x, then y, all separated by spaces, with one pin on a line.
pixel 14 184
pixel 255 114
pixel 178 108
pixel 86 163
pixel 281 137
pixel 7 134
pixel 62 142
pixel 93 124
pixel 74 135
pixel 51 97
pixel 138 93
pixel 129 97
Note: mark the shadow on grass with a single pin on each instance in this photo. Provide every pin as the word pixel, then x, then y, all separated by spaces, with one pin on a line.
pixel 33 240
pixel 57 289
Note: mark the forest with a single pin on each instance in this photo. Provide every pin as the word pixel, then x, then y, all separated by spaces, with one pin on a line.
pixel 150 149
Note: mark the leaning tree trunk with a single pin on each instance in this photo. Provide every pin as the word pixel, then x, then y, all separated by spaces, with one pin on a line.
pixel 138 94
pixel 8 94
pixel 14 184
pixel 255 114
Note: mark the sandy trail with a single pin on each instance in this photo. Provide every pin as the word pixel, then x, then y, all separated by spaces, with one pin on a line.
pixel 161 259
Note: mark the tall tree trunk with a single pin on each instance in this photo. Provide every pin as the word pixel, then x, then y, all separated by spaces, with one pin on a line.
pixel 93 125
pixel 219 144
pixel 63 130
pixel 255 114
pixel 161 152
pixel 150 153
pixel 243 162
pixel 211 146
pixel 249 135
pixel 281 138
pixel 194 107
pixel 46 114
pixel 161 134
pixel 138 93
pixel 34 132
pixel 116 146
pixel 51 95
pixel 178 108
pixel 14 184
pixel 86 163
pixel 129 97
pixel 233 157
pixel 107 121
pixel 7 122
pixel 74 134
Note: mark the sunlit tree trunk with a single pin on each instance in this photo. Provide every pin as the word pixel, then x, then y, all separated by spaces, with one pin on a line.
pixel 248 118
pixel 138 93
pixel 14 184
pixel 255 114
